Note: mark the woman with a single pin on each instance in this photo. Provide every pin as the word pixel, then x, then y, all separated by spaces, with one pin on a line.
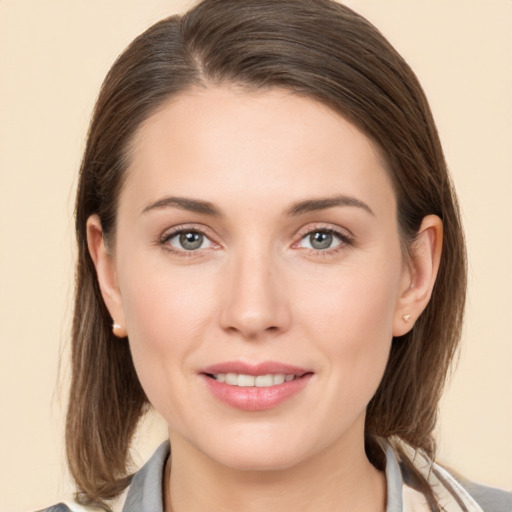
pixel 270 254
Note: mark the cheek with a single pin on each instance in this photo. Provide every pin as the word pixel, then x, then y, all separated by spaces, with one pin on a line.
pixel 353 301
pixel 163 302
pixel 166 317
pixel 351 319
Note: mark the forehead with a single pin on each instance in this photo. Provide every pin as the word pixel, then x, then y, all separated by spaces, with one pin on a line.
pixel 252 144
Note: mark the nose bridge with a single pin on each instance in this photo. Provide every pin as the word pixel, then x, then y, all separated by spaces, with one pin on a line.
pixel 255 300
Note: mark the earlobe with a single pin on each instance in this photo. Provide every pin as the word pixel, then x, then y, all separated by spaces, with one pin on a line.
pixel 106 274
pixel 420 276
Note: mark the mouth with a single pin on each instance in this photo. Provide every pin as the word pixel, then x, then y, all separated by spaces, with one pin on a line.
pixel 244 380
pixel 255 387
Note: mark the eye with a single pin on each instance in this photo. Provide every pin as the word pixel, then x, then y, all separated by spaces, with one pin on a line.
pixel 323 240
pixel 188 240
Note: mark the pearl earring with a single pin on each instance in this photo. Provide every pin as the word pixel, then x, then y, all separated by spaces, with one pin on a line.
pixel 118 330
pixel 406 318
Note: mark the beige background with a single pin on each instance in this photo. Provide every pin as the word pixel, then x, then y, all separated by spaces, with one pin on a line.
pixel 53 56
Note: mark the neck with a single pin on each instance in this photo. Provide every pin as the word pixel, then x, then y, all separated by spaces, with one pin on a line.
pixel 340 479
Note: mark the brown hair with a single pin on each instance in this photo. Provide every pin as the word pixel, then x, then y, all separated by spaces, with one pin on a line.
pixel 316 48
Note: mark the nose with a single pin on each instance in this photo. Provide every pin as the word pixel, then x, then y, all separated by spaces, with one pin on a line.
pixel 254 297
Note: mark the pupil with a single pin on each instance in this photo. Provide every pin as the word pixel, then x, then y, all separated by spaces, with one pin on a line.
pixel 320 240
pixel 191 241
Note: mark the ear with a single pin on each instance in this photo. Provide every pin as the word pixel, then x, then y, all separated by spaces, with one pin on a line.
pixel 419 275
pixel 106 272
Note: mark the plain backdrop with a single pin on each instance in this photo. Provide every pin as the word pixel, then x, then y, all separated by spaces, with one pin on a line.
pixel 53 57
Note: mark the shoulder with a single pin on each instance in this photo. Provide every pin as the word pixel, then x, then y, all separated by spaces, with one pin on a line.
pixel 60 507
pixel 452 491
pixel 490 499
pixel 69 506
pixel 144 494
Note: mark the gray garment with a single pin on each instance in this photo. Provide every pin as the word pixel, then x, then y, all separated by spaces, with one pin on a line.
pixel 145 493
pixel 146 490
pixel 60 507
pixel 490 499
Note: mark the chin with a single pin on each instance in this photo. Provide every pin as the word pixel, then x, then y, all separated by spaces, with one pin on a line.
pixel 267 459
pixel 252 451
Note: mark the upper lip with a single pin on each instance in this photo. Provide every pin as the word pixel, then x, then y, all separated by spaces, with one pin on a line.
pixel 264 368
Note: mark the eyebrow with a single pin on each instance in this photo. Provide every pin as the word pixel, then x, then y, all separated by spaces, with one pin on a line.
pixel 182 203
pixel 300 208
pixel 312 205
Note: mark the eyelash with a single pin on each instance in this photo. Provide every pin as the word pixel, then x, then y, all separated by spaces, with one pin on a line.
pixel 168 235
pixel 345 240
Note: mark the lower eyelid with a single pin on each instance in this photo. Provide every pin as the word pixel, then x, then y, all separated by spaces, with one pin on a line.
pixel 167 236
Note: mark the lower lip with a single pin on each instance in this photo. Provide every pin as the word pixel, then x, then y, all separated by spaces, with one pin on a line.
pixel 254 398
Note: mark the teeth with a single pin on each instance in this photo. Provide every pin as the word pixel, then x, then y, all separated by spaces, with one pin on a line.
pixel 279 378
pixel 246 381
pixel 232 379
pixel 261 381
pixel 264 381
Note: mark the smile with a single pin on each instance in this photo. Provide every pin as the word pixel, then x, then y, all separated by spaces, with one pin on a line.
pixel 255 387
pixel 259 381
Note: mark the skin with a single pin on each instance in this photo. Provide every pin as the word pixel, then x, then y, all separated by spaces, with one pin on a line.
pixel 256 290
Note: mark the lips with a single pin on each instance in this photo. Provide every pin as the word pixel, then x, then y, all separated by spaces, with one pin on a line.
pixel 255 387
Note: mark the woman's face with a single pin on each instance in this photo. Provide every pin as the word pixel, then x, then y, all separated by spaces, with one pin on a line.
pixel 257 243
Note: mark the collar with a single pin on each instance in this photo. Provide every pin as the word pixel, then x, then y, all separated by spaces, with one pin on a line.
pixel 145 491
